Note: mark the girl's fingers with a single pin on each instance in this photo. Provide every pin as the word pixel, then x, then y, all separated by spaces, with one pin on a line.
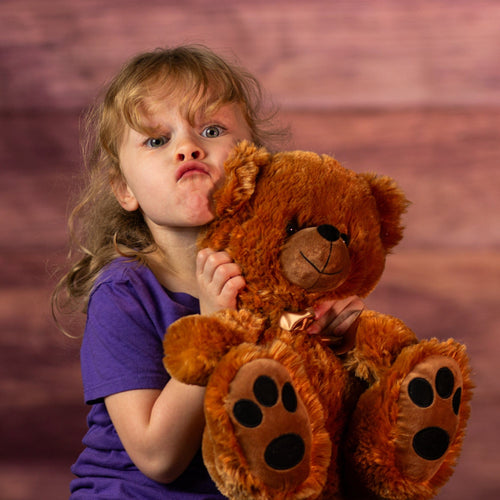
pixel 219 280
pixel 215 269
pixel 330 313
pixel 223 276
pixel 229 292
pixel 208 260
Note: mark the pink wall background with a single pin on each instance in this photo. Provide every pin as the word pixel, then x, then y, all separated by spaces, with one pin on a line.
pixel 400 87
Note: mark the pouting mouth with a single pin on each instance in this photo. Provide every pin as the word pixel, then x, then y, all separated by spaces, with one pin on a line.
pixel 191 166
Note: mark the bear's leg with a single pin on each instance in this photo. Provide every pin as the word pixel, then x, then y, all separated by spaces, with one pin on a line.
pixel 408 427
pixel 265 434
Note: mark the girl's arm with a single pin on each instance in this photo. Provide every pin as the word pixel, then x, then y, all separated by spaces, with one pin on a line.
pixel 161 430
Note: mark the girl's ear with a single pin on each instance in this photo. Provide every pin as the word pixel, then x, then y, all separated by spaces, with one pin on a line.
pixel 124 194
pixel 242 169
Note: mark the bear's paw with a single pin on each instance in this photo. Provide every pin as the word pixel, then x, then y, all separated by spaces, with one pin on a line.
pixel 271 423
pixel 428 418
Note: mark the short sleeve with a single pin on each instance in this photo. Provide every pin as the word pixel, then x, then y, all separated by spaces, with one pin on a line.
pixel 122 346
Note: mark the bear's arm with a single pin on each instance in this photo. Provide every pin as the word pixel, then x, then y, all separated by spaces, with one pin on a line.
pixel 193 345
pixel 379 340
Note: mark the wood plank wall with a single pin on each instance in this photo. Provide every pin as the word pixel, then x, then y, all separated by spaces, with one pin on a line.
pixel 400 87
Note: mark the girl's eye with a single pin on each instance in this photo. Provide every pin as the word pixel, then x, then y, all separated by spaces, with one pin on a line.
pixel 212 131
pixel 156 142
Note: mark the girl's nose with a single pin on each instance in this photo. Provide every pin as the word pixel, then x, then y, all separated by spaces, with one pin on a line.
pixel 188 149
pixel 195 154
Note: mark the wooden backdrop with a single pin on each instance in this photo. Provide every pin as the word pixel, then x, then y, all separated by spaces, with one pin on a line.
pixel 409 88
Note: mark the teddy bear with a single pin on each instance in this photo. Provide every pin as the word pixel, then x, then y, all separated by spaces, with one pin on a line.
pixel 371 413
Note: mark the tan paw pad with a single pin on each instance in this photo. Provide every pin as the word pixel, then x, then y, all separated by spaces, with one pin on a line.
pixel 429 404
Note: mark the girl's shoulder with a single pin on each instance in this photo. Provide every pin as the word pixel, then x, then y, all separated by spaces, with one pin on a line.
pixel 124 280
pixel 125 276
pixel 123 270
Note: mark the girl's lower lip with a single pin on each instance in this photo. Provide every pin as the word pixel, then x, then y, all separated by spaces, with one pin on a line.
pixel 191 172
pixel 191 168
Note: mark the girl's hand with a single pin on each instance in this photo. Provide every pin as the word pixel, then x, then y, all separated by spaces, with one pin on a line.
pixel 219 281
pixel 335 322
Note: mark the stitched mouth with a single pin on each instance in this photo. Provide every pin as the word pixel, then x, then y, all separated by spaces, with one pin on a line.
pixel 317 269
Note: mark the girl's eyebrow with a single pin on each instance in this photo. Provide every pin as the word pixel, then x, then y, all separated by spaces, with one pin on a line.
pixel 219 115
pixel 153 130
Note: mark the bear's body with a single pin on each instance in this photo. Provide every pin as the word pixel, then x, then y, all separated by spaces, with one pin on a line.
pixel 378 415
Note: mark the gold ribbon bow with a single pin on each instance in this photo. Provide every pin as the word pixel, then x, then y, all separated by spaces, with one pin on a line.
pixel 341 332
pixel 293 322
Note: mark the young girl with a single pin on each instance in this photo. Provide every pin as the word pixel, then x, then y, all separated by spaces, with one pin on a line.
pixel 162 133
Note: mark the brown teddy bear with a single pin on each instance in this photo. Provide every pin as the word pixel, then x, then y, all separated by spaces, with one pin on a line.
pixel 378 414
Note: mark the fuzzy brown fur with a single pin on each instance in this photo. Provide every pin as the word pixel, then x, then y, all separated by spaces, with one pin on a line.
pixel 286 417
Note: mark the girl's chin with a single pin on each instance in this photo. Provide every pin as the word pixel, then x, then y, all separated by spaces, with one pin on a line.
pixel 199 209
pixel 200 217
pixel 203 221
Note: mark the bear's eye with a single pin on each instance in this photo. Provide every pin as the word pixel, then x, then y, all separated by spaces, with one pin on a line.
pixel 345 238
pixel 292 227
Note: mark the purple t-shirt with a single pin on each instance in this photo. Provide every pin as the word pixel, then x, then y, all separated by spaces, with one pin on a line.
pixel 128 314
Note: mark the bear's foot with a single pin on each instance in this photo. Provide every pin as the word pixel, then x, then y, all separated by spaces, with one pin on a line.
pixel 271 423
pixel 428 418
pixel 265 435
pixel 406 432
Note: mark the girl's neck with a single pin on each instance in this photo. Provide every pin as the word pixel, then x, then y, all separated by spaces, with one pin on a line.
pixel 174 262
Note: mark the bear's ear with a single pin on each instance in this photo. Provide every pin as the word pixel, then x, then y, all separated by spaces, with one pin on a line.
pixel 391 204
pixel 242 168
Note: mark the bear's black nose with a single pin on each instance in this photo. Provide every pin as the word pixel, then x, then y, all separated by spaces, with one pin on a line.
pixel 330 233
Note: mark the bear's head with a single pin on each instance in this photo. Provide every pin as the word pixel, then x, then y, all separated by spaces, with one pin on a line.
pixel 303 228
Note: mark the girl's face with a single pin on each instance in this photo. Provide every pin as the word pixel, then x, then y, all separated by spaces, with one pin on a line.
pixel 172 175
